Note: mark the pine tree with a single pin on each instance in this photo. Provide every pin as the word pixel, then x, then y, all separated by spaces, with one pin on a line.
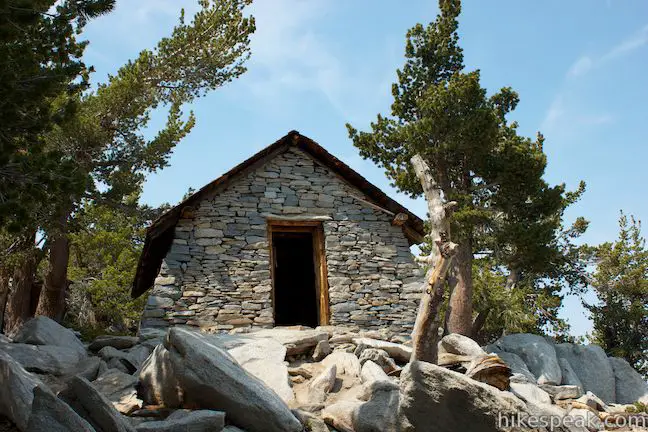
pixel 621 284
pixel 443 114
pixel 40 69
pixel 41 78
pixel 104 139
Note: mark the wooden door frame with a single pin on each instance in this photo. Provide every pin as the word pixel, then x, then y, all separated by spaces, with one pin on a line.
pixel 319 260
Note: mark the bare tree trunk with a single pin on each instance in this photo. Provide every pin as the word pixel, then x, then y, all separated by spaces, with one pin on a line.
pixel 4 295
pixel 512 279
pixel 460 308
pixel 52 297
pixel 478 324
pixel 18 307
pixel 425 335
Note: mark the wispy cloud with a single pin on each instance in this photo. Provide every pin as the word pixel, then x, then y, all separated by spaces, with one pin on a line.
pixel 566 113
pixel 585 64
pixel 290 56
pixel 580 66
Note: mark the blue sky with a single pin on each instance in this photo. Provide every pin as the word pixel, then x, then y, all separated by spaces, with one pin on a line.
pixel 580 67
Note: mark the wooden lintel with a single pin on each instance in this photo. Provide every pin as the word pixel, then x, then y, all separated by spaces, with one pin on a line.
pixel 372 205
pixel 296 218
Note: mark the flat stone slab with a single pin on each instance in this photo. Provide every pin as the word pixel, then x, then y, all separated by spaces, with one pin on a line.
pixel 16 391
pixel 41 330
pixel 50 359
pixel 119 388
pixel 195 421
pixel 398 352
pixel 119 342
pixel 295 341
pixel 263 358
pixel 210 378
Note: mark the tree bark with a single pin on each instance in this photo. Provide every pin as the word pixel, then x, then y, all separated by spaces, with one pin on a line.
pixel 425 335
pixel 52 297
pixel 478 324
pixel 18 307
pixel 460 306
pixel 512 279
pixel 4 295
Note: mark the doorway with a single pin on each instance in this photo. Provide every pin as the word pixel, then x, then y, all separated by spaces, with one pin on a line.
pixel 300 296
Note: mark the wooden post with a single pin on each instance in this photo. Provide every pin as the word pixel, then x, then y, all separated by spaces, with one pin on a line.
pixel 400 219
pixel 425 335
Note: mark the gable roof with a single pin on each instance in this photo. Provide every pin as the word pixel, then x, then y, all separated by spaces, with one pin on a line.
pixel 159 235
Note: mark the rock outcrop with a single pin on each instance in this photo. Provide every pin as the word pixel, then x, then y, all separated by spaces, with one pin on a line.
pixel 537 353
pixel 629 385
pixel 450 401
pixel 591 366
pixel 212 379
pixel 312 380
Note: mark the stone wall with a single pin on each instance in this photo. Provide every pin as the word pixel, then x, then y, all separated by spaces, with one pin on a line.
pixel 217 272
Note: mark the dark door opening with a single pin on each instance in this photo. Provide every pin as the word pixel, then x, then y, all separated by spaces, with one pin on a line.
pixel 295 286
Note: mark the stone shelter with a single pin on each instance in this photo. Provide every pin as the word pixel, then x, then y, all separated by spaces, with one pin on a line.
pixel 291 236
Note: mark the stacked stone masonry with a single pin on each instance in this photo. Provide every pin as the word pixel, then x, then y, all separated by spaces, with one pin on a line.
pixel 217 273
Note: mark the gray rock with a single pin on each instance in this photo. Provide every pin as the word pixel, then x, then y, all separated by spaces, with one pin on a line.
pixel 321 385
pixel 377 411
pixel 138 354
pixel 455 343
pixel 322 349
pixel 110 354
pixel 372 372
pixel 51 414
pixel 531 393
pixel 593 401
pixel 586 418
pixel 16 391
pixel 41 330
pixel 181 413
pixel 311 422
pixel 103 367
pixel 563 391
pixel 49 359
pixel 195 421
pixel 569 377
pixel 340 415
pixel 630 386
pixel 538 354
pixel 211 378
pixel 263 358
pixel 517 365
pixel 119 342
pixel 94 407
pixel 295 341
pixel 379 357
pixel 451 401
pixel 158 383
pixel 492 348
pixel 119 388
pixel 519 378
pixel 88 368
pixel 119 364
pixel 346 363
pixel 592 367
pixel 398 352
